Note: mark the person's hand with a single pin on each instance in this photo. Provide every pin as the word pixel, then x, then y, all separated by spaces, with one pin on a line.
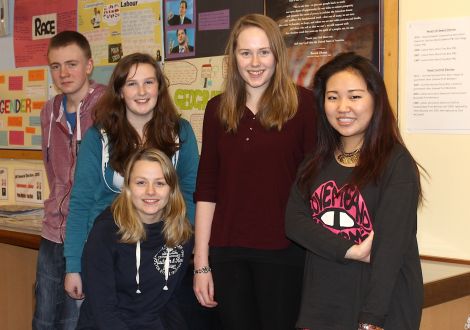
pixel 361 252
pixel 73 285
pixel 203 287
pixel 186 44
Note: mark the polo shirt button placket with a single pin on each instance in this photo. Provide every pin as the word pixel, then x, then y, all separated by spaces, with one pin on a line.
pixel 251 130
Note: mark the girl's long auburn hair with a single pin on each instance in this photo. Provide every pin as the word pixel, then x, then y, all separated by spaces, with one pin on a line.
pixel 176 228
pixel 110 114
pixel 279 102
pixel 380 137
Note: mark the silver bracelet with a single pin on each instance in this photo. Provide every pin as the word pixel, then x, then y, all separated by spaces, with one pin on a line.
pixel 202 270
pixel 366 326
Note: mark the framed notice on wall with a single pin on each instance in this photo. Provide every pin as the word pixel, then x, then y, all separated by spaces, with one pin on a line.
pixel 317 30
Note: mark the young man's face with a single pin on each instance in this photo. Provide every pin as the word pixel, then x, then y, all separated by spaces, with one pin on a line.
pixel 70 69
pixel 181 37
pixel 182 9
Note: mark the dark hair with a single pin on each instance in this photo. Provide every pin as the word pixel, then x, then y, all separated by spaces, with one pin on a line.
pixel 381 135
pixel 185 3
pixel 66 38
pixel 110 114
pixel 179 30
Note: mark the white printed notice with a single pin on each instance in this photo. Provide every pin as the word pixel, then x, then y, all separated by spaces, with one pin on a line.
pixel 29 186
pixel 3 183
pixel 438 76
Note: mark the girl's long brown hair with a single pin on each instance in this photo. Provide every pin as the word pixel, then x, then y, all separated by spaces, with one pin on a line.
pixel 279 101
pixel 110 114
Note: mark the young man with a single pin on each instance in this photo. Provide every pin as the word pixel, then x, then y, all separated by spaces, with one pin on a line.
pixel 181 18
pixel 183 43
pixel 64 120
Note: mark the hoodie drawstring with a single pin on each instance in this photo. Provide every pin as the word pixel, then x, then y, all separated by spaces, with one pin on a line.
pixel 137 264
pixel 167 268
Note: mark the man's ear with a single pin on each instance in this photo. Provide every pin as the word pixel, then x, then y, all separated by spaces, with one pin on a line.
pixel 89 66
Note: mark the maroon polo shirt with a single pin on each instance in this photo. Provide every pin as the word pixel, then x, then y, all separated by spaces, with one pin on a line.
pixel 249 174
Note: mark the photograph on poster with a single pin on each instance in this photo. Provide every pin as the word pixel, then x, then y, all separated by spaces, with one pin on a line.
pixel 180 12
pixel 180 42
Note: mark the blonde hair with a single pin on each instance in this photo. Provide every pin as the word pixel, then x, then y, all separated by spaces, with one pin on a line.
pixel 176 228
pixel 279 101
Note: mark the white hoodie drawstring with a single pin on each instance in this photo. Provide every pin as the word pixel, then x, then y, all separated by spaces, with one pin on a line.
pixel 61 111
pixel 137 264
pixel 167 268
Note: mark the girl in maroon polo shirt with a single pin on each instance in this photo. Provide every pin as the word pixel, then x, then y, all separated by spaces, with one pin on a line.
pixel 255 135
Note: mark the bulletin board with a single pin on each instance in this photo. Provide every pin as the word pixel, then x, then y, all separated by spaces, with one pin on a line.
pixel 35 22
pixel 23 94
pixel 193 82
pixel 115 29
pixel 210 24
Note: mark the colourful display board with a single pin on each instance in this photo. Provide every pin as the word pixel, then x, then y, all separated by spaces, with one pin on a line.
pixel 193 82
pixel 118 28
pixel 22 96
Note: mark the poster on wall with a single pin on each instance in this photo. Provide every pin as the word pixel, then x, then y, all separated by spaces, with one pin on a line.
pixel 201 28
pixel 180 28
pixel 35 22
pixel 3 183
pixel 22 96
pixel 317 30
pixel 118 28
pixel 29 187
pixel 193 82
pixel 438 76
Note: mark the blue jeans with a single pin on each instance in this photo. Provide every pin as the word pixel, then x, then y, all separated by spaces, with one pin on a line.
pixel 54 308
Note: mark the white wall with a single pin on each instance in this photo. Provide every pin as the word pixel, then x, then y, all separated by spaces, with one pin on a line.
pixel 444 221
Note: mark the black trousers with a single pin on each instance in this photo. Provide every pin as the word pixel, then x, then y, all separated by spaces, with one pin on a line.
pixel 196 316
pixel 256 293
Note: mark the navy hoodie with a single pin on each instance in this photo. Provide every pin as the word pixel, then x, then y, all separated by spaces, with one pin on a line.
pixel 109 270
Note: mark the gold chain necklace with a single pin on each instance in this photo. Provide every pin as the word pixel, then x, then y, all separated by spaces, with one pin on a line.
pixel 348 158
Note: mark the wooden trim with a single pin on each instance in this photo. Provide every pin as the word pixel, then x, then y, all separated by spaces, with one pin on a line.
pixel 30 241
pixel 390 51
pixel 21 154
pixel 447 289
pixel 444 259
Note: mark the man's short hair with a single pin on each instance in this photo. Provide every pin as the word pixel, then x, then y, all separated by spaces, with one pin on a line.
pixel 66 38
pixel 185 3
pixel 180 30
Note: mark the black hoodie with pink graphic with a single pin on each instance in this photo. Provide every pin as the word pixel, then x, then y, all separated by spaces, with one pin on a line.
pixel 338 293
